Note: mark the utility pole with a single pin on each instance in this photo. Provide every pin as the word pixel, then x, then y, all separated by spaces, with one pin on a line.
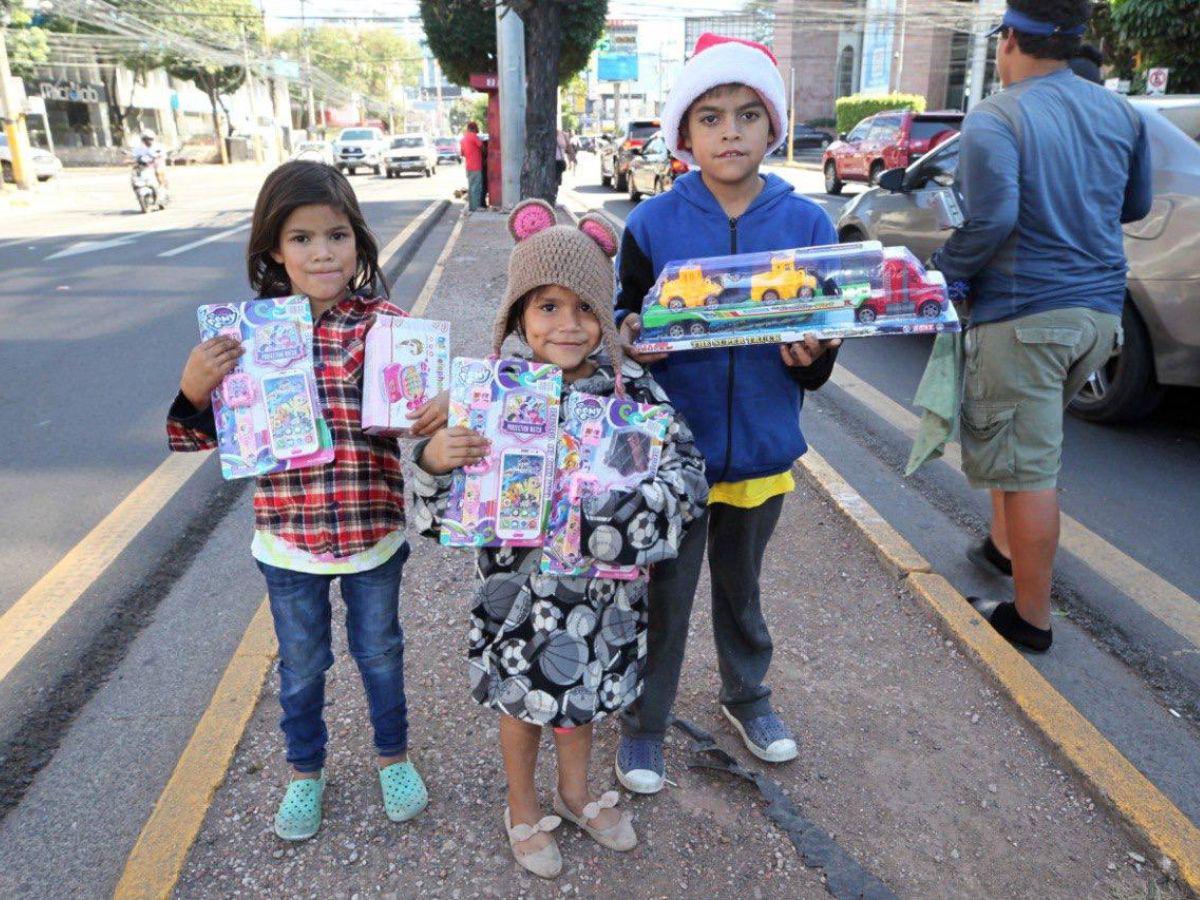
pixel 900 53
pixel 312 107
pixel 437 81
pixel 14 123
pixel 791 148
pixel 255 137
pixel 616 107
pixel 979 54
pixel 510 60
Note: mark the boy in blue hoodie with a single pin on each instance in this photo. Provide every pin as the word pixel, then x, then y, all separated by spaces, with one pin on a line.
pixel 726 112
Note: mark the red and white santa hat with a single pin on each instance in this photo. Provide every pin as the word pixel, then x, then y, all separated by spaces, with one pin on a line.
pixel 725 60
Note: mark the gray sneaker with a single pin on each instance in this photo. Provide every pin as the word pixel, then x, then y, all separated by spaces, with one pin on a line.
pixel 639 765
pixel 765 736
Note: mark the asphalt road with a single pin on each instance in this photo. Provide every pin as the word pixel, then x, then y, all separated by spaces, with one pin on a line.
pixel 97 315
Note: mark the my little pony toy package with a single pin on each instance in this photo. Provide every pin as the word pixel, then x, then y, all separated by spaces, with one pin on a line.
pixel 266 409
pixel 407 363
pixel 504 499
pixel 606 443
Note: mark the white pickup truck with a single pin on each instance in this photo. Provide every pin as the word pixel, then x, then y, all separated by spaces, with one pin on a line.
pixel 360 148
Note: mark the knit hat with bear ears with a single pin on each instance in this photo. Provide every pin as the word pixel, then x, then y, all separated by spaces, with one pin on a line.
pixel 576 257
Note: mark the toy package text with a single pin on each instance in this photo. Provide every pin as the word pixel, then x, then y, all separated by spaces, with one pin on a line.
pixel 266 409
pixel 843 290
pixel 605 443
pixel 407 363
pixel 505 497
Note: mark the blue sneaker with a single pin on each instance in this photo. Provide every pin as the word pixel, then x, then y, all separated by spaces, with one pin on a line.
pixel 765 736
pixel 640 766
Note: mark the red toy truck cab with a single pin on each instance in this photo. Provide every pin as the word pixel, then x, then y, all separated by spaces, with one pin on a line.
pixel 906 291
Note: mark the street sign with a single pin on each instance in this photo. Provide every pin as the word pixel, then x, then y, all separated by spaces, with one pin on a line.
pixel 617 67
pixel 1156 81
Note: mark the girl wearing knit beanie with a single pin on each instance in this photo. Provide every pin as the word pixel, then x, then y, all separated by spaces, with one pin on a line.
pixel 565 651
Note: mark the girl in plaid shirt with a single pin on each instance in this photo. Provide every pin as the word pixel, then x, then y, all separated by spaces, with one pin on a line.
pixel 342 520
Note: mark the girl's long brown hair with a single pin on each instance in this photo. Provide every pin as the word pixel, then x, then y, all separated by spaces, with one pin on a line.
pixel 306 183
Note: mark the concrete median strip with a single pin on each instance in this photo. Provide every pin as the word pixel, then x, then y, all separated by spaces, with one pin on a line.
pixel 157 858
pixel 1116 782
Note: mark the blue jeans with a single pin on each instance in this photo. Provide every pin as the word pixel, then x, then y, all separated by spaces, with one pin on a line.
pixel 301 611
pixel 475 189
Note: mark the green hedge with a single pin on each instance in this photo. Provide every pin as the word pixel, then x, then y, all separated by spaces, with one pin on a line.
pixel 853 109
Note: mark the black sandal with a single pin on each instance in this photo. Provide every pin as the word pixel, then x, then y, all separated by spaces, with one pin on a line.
pixel 987 556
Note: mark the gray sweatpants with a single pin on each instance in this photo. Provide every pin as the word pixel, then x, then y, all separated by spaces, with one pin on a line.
pixel 736 539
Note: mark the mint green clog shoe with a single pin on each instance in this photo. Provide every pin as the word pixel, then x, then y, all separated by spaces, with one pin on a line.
pixel 404 794
pixel 299 815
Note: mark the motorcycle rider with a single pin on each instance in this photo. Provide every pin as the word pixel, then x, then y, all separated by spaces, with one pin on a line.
pixel 153 154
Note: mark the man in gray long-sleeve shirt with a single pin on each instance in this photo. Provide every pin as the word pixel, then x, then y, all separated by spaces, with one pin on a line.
pixel 1048 169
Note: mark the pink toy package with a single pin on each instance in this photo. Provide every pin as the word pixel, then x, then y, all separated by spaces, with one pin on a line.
pixel 504 498
pixel 407 363
pixel 606 443
pixel 266 409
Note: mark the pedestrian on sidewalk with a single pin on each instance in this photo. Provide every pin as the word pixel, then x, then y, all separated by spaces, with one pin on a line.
pixel 471 148
pixel 727 111
pixel 1049 169
pixel 555 651
pixel 344 520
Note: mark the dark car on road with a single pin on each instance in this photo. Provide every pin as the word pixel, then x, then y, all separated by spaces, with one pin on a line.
pixel 805 137
pixel 616 153
pixel 1161 319
pixel 886 140
pixel 653 170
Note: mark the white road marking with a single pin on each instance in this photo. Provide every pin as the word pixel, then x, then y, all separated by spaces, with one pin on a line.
pixel 91 247
pixel 220 235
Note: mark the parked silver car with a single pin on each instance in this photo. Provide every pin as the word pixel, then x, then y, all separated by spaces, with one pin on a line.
pixel 1162 316
pixel 45 164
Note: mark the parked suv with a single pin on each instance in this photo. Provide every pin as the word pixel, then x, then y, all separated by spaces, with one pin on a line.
pixel 411 153
pixel 616 154
pixel 447 150
pixel 360 148
pixel 887 140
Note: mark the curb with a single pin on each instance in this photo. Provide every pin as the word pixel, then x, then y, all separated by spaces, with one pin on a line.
pixel 400 250
pixel 1146 813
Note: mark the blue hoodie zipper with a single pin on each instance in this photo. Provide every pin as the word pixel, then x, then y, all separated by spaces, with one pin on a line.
pixel 733 220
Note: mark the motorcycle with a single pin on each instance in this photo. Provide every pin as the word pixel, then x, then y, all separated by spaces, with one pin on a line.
pixel 144 180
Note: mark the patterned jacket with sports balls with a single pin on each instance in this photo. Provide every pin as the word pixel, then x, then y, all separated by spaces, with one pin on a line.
pixel 342 507
pixel 566 651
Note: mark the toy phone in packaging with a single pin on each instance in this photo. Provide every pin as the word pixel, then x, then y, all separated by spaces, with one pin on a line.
pixel 605 443
pixel 505 497
pixel 266 409
pixel 843 290
pixel 407 362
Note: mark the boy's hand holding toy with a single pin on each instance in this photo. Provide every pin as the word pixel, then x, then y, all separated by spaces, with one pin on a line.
pixel 631 330
pixel 807 351
pixel 207 364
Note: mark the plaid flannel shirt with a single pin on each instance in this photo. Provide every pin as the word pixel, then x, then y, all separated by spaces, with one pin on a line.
pixel 342 507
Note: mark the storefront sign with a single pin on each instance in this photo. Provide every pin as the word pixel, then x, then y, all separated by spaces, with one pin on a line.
pixel 72 92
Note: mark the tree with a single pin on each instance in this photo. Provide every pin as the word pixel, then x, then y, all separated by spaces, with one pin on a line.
pixel 27 44
pixel 1163 33
pixel 463 111
pixel 1119 57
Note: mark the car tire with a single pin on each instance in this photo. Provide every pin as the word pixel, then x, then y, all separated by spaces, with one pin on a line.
pixel 1123 390
pixel 6 170
pixel 930 309
pixel 379 170
pixel 605 180
pixel 770 296
pixel 675 303
pixel 864 315
pixel 875 172
pixel 833 184
pixel 352 170
pixel 634 194
pixel 621 183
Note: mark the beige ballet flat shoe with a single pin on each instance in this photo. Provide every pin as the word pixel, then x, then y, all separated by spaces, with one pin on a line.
pixel 544 863
pixel 619 836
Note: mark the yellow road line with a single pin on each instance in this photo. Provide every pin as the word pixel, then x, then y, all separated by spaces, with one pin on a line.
pixel 398 241
pixel 435 274
pixel 158 857
pixel 29 619
pixel 1118 782
pixel 1163 600
pixel 893 550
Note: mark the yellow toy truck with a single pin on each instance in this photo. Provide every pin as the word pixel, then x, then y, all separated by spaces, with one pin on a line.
pixel 783 281
pixel 689 288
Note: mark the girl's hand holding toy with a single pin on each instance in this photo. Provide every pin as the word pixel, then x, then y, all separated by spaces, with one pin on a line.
pixel 431 415
pixel 807 351
pixel 453 448
pixel 207 364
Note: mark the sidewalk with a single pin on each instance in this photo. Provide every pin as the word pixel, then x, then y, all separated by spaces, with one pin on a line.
pixel 910 759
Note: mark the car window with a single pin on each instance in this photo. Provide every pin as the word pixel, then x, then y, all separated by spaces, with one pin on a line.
pixel 640 132
pixel 1185 118
pixel 3 140
pixel 655 146
pixel 358 134
pixel 884 129
pixel 938 166
pixel 408 142
pixel 861 130
pixel 924 129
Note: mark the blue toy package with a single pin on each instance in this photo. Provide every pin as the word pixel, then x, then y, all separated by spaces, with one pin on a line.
pixel 842 290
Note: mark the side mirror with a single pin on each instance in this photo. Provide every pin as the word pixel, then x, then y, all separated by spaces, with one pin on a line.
pixel 892 180
pixel 841 135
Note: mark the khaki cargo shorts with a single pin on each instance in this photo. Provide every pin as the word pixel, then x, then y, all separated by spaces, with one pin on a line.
pixel 1019 376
